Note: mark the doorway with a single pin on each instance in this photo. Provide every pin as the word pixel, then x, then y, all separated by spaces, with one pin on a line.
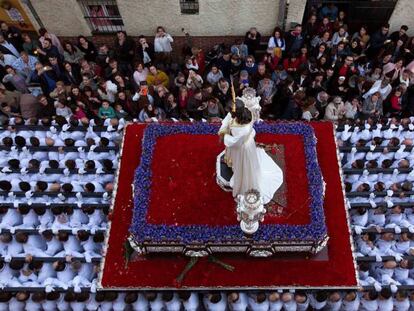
pixel 372 13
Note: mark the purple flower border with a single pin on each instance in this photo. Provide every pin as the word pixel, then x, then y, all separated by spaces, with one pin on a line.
pixel 196 234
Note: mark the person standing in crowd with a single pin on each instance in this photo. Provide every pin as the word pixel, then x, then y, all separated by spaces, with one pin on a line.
pixel 145 50
pixel 44 34
pixel 377 41
pixel 12 34
pixel 252 40
pixel 88 48
pixel 162 46
pixel 294 39
pixel 124 51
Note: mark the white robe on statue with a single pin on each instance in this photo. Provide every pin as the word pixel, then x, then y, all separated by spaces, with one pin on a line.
pixel 252 167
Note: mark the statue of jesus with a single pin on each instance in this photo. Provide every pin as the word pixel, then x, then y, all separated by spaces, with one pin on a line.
pixel 252 167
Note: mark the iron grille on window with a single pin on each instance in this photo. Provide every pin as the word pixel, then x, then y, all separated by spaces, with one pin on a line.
pixel 102 15
pixel 189 6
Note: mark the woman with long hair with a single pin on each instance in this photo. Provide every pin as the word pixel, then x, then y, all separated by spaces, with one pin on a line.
pixel 140 74
pixel 88 48
pixel 71 53
pixel 277 42
pixel 172 109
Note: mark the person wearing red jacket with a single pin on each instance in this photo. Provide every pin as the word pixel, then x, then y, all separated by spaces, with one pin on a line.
pixel 292 63
pixel 200 58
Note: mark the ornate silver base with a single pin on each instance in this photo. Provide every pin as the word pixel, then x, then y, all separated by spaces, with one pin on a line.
pixel 244 247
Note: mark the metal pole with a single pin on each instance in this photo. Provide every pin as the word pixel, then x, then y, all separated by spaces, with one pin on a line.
pixel 281 19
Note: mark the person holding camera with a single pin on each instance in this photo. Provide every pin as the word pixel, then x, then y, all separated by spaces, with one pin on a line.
pixel 162 46
pixel 145 51
pixel 252 40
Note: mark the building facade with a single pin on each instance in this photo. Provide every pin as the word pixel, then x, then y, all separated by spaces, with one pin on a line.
pixel 201 18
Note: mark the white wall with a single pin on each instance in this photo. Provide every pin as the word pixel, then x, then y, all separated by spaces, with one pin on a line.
pixel 295 12
pixel 62 17
pixel 403 15
pixel 215 18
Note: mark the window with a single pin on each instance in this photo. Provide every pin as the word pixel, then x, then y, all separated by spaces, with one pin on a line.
pixel 189 6
pixel 102 15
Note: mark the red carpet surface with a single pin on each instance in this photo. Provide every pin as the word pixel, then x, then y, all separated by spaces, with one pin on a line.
pixel 184 182
pixel 159 272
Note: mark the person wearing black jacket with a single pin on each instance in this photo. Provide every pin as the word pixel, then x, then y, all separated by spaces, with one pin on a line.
pixel 71 74
pixel 224 63
pixel 104 55
pixel 124 50
pixel 12 34
pixel 400 35
pixel 252 40
pixel 294 39
pixel 377 41
pixel 408 102
pixel 46 108
pixel 293 109
pixel 145 51
pixel 88 48
pixel 311 29
pixel 48 51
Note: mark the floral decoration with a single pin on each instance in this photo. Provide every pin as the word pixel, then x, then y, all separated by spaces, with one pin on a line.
pixel 143 232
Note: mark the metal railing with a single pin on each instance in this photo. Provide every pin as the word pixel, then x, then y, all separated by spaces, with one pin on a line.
pixel 189 6
pixel 102 16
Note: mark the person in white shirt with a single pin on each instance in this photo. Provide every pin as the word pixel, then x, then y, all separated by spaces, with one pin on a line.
pixel 302 300
pixel 237 301
pixel 382 86
pixel 107 303
pixel 318 300
pixel 334 301
pixel 136 301
pixel 277 41
pixel 50 303
pixel 258 301
pixel 171 301
pixel 289 302
pixel 369 301
pixel 34 303
pixel 275 301
pixel 350 301
pixel 18 302
pixel 119 303
pixel 93 304
pixel 385 301
pixel 401 302
pixel 190 300
pixel 162 41
pixel 402 272
pixel 155 301
pixel 7 59
pixel 5 298
pixel 215 301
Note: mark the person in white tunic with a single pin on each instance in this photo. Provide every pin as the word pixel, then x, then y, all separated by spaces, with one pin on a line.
pixel 252 167
pixel 190 300
pixel 237 301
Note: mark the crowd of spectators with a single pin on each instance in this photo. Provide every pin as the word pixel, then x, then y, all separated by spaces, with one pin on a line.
pixel 319 70
pixel 63 106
